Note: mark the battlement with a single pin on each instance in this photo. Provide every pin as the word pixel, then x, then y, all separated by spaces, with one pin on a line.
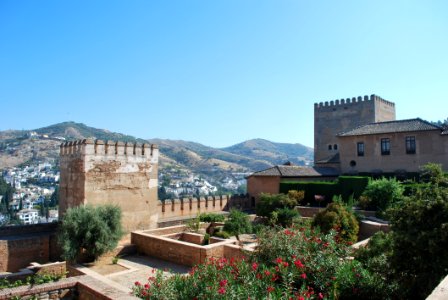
pixel 351 101
pixel 187 207
pixel 107 148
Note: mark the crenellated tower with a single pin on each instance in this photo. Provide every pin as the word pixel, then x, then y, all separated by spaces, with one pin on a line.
pixel 125 174
pixel 334 117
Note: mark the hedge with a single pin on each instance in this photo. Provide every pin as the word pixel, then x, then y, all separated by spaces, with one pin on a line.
pixel 352 185
pixel 344 186
pixel 327 189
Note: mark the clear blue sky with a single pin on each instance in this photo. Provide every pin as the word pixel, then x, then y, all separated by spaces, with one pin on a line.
pixel 216 72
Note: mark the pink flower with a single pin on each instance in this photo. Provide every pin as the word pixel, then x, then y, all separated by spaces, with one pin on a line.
pixel 279 260
pixel 303 276
pixel 223 283
pixel 221 291
pixel 298 264
pixel 270 289
pixel 321 296
pixel 137 283
pixel 285 264
pixel 147 286
pixel 267 273
pixel 254 266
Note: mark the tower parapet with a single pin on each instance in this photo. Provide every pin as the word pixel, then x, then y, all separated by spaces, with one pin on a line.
pixel 351 101
pixel 108 148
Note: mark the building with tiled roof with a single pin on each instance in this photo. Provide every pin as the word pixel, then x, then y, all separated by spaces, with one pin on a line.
pixel 410 125
pixel 268 180
pixel 400 146
pixel 360 135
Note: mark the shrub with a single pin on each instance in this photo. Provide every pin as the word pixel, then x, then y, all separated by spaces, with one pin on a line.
pixel 337 217
pixel 222 234
pixel 299 246
pixel 270 202
pixel 382 193
pixel 432 173
pixel 237 223
pixel 211 217
pixel 230 279
pixel 298 196
pixel 326 189
pixel 285 216
pixel 420 240
pixel 90 231
pixel 194 224
pixel 279 208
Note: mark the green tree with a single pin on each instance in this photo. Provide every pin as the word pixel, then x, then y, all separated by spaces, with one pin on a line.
pixel 337 217
pixel 432 173
pixel 90 231
pixel 238 223
pixel 420 237
pixel 382 193
pixel 54 199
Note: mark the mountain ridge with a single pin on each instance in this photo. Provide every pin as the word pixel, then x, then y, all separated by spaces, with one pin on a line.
pixel 248 156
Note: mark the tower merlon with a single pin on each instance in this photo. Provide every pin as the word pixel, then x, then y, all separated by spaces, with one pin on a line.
pixel 108 148
pixel 353 100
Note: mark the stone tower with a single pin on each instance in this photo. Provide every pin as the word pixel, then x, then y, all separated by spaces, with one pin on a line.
pixel 334 117
pixel 123 174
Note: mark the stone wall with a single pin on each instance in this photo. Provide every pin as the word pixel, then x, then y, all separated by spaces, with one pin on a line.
pixel 124 174
pixel 262 184
pixel 80 287
pixel 185 208
pixel 334 117
pixel 20 245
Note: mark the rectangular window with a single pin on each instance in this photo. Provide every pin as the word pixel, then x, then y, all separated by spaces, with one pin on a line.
pixel 410 144
pixel 360 149
pixel 385 146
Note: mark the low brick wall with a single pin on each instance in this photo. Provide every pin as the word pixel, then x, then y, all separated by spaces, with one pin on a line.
pixel 181 252
pixel 194 238
pixel 369 228
pixel 235 252
pixel 309 212
pixel 20 245
pixel 79 287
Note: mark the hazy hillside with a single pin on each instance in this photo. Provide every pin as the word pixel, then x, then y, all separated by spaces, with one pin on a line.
pixel 274 153
pixel 18 146
pixel 73 131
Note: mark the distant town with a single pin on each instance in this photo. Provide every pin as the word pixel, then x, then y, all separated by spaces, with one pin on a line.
pixel 34 196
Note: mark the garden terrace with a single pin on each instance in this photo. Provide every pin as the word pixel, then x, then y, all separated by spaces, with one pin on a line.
pixel 175 245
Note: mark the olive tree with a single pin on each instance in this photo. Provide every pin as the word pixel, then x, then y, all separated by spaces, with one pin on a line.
pixel 89 231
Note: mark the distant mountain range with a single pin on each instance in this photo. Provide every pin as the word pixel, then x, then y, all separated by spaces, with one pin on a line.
pixel 19 146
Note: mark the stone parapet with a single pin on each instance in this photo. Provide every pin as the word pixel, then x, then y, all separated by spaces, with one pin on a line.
pixel 187 207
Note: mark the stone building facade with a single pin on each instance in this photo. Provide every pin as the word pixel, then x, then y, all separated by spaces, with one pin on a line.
pixel 124 174
pixel 334 117
pixel 393 147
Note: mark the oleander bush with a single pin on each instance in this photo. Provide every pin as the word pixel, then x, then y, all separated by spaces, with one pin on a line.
pixel 295 263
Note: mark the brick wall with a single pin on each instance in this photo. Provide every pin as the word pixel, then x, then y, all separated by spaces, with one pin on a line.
pixel 176 251
pixel 20 245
